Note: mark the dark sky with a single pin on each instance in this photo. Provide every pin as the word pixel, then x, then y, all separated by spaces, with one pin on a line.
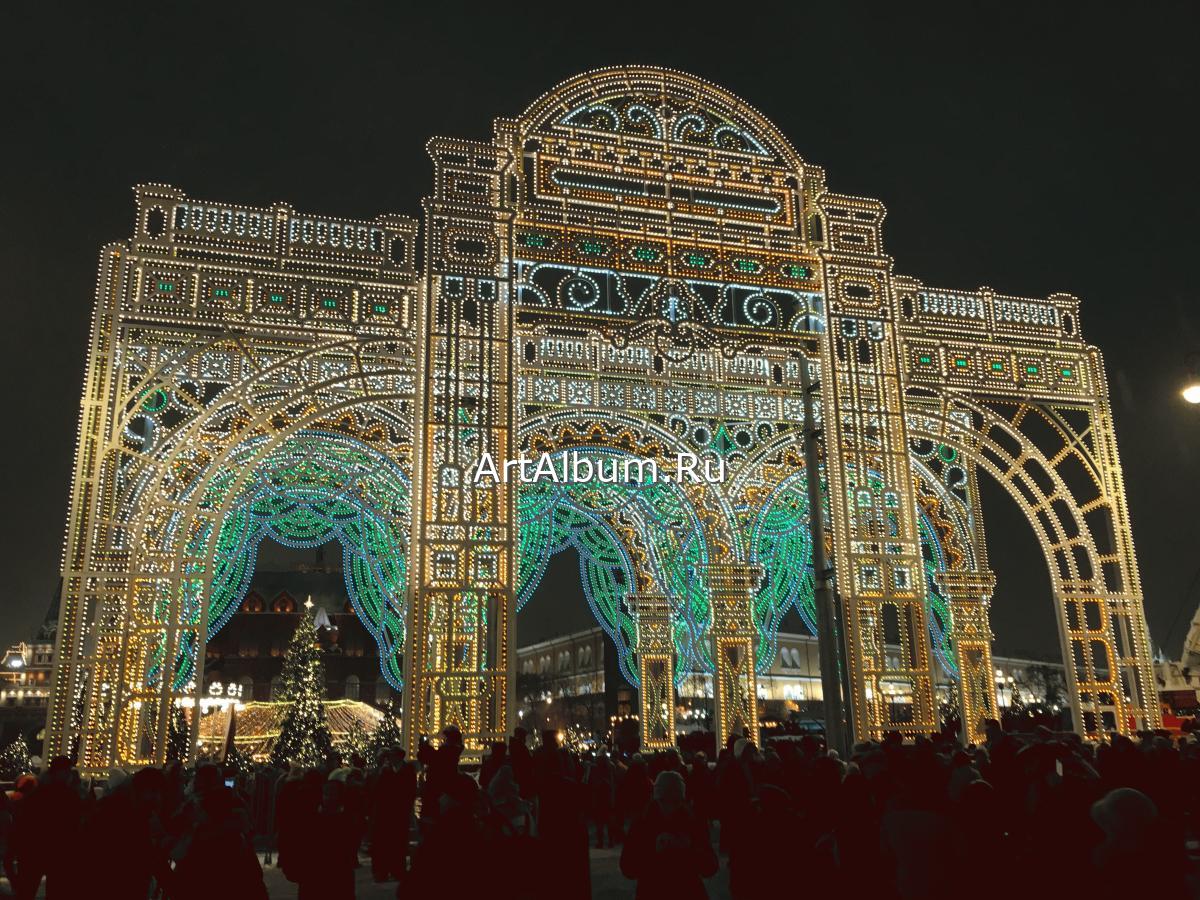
pixel 1033 152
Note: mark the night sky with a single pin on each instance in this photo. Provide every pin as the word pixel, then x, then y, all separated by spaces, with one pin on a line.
pixel 1029 151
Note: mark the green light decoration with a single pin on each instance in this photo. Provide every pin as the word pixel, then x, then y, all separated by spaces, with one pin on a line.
pixel 588 517
pixel 534 239
pixel 312 488
pixel 937 606
pixel 316 487
pixel 780 542
pixel 155 400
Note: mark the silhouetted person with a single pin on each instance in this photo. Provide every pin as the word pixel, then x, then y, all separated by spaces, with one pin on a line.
pixel 1139 855
pixel 333 848
pixel 45 834
pixel 497 758
pixel 521 761
pixel 453 858
pixel 602 795
pixel 667 850
pixel 562 826
pixel 441 769
pixel 701 788
pixel 393 794
pixel 124 841
pixel 633 792
pixel 219 859
pixel 768 834
pixel 734 788
pixel 296 814
pixel 514 850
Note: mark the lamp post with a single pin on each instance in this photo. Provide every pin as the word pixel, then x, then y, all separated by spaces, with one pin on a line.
pixel 827 646
pixel 1191 389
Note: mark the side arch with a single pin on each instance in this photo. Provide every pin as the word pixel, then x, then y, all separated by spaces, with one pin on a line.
pixel 315 487
pixel 170 501
pixel 1105 644
pixel 771 501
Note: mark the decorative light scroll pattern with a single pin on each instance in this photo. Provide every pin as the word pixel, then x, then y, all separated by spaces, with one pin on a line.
pixel 620 293
pixel 663 119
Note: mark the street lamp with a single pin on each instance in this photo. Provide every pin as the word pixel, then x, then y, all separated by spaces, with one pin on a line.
pixel 1191 390
pixel 836 729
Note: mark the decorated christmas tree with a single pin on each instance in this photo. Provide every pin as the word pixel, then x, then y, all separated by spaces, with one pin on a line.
pixel 356 741
pixel 15 760
pixel 304 736
pixel 238 762
pixel 387 732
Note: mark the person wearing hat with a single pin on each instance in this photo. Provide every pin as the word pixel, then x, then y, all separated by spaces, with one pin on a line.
pixel 1139 854
pixel 441 768
pixel 668 851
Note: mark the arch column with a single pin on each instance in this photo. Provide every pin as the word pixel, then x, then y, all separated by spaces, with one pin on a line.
pixel 968 593
pixel 458 662
pixel 656 669
pixel 876 542
pixel 735 684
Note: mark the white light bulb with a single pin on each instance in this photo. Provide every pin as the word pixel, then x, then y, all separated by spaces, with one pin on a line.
pixel 1191 393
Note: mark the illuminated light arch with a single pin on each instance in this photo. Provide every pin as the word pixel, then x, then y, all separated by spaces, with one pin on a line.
pixel 184 493
pixel 780 542
pixel 313 488
pixel 640 245
pixel 1105 667
pixel 602 522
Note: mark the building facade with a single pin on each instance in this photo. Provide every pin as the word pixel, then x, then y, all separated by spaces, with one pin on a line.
pixel 572 682
pixel 249 651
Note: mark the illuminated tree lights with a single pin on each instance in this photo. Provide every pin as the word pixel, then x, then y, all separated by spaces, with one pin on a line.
pixel 304 737
pixel 15 760
pixel 386 735
pixel 639 265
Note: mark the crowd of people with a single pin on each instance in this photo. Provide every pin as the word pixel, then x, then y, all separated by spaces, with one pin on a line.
pixel 1039 815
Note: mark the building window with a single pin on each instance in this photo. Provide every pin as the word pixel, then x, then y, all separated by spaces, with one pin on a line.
pixel 352 687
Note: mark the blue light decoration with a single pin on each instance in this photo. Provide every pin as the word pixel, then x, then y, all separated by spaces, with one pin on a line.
pixel 317 486
pixel 310 489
